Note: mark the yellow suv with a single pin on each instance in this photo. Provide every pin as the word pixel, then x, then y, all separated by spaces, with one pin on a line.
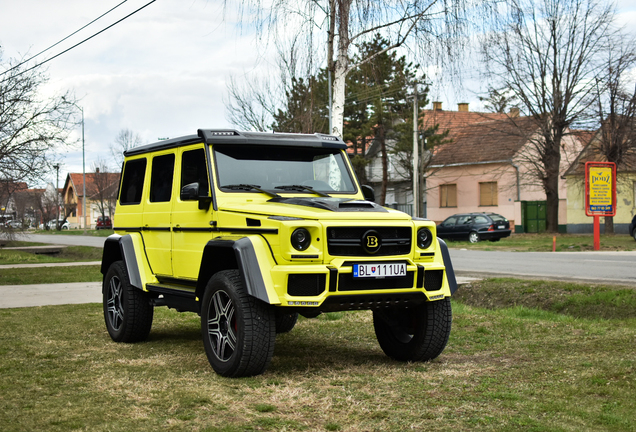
pixel 251 229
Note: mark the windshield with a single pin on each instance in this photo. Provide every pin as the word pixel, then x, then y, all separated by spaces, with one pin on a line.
pixel 284 169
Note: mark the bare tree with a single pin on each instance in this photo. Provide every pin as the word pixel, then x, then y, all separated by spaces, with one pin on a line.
pixel 103 187
pixel 344 25
pixel 616 111
pixel 125 140
pixel 32 126
pixel 547 53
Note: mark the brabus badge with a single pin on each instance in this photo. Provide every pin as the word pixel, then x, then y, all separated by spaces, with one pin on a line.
pixel 371 242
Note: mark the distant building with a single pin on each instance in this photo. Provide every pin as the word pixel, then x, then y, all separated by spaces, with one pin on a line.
pixel 101 194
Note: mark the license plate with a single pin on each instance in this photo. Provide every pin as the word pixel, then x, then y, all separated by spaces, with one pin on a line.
pixel 379 270
pixel 501 226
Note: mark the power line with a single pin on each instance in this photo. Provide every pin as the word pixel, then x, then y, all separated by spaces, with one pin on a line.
pixel 79 43
pixel 59 42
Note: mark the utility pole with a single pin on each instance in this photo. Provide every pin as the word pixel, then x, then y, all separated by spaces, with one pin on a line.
pixel 416 158
pixel 57 197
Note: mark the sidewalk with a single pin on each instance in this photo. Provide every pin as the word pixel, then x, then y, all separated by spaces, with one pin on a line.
pixel 14 296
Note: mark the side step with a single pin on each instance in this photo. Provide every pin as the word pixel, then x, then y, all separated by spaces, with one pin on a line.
pixel 179 297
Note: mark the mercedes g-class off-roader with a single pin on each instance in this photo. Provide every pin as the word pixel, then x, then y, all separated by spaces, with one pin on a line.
pixel 251 229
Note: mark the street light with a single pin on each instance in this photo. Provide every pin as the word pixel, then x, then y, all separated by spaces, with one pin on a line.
pixel 83 164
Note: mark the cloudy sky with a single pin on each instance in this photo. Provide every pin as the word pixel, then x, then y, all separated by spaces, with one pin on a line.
pixel 161 73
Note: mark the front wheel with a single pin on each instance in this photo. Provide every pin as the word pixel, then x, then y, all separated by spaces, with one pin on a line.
pixel 127 310
pixel 473 237
pixel 239 331
pixel 285 322
pixel 634 234
pixel 414 334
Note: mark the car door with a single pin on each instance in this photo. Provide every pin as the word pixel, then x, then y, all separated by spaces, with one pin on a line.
pixel 156 227
pixel 191 225
pixel 445 229
pixel 462 227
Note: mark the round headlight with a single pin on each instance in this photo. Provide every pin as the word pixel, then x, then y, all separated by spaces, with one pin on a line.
pixel 300 239
pixel 424 238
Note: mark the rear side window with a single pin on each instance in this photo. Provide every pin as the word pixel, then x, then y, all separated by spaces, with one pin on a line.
pixel 161 178
pixel 498 218
pixel 481 220
pixel 132 185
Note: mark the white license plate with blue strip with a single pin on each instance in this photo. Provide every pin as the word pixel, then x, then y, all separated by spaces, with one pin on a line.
pixel 379 270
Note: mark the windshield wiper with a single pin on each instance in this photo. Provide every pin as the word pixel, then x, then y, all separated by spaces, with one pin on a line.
pixel 301 188
pixel 249 187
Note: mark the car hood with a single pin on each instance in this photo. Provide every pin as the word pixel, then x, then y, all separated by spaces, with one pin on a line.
pixel 316 208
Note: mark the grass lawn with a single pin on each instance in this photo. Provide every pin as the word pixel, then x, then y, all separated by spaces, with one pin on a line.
pixel 533 366
pixel 66 254
pixel 543 243
pixel 47 275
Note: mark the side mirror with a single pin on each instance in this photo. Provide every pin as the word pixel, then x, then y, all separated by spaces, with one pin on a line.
pixel 368 192
pixel 190 192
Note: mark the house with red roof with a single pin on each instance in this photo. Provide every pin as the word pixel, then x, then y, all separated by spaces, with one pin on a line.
pixel 490 166
pixel 101 194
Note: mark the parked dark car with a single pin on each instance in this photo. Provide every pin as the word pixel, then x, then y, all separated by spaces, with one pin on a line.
pixel 632 227
pixel 474 227
pixel 103 222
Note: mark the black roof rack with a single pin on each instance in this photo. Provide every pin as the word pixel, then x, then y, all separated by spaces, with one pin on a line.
pixel 229 136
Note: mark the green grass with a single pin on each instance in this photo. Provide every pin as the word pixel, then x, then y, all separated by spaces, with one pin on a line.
pixel 66 254
pixel 47 275
pixel 543 243
pixel 522 367
pixel 77 231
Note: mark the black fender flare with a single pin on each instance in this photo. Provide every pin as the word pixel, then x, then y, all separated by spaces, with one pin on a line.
pixel 450 273
pixel 225 254
pixel 121 248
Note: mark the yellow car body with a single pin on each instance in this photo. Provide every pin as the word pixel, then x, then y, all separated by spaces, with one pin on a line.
pixel 191 207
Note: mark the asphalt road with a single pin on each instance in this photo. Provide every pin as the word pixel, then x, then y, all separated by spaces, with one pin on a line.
pixel 595 267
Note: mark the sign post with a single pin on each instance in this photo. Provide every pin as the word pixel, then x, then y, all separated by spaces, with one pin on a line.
pixel 600 194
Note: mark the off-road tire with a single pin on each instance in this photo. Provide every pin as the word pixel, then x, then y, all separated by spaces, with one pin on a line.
pixel 127 310
pixel 239 331
pixel 285 322
pixel 417 333
pixel 473 237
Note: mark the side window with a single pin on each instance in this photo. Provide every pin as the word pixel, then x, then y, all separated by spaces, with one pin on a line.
pixel 480 220
pixel 450 221
pixel 161 178
pixel 132 185
pixel 195 170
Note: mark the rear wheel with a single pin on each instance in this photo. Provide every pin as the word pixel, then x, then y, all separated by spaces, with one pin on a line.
pixel 414 334
pixel 239 331
pixel 473 237
pixel 127 310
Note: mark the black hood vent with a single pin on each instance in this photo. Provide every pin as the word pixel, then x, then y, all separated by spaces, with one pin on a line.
pixel 333 204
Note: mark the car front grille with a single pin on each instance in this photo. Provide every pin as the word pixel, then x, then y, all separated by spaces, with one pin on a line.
pixel 348 241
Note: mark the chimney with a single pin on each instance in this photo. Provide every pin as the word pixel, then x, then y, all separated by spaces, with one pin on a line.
pixel 462 107
pixel 96 170
pixel 437 106
pixel 514 112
